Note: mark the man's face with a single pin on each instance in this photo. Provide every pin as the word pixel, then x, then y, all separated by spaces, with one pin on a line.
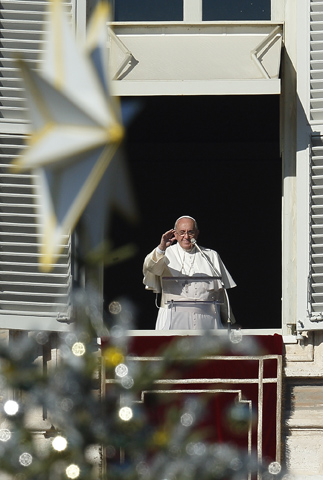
pixel 185 230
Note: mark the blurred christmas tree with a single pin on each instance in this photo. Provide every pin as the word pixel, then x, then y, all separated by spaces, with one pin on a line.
pixel 90 429
pixel 112 436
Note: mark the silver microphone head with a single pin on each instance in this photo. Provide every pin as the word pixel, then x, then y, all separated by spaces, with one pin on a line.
pixel 193 241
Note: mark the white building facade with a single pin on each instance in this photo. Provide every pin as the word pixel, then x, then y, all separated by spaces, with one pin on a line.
pixel 186 51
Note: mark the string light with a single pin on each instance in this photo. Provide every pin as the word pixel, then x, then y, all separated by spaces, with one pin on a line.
pixel 121 370
pixel 187 419
pixel 25 459
pixel 115 308
pixel 125 413
pixel 274 468
pixel 73 471
pixel 5 435
pixel 78 349
pixel 113 356
pixel 59 443
pixel 11 407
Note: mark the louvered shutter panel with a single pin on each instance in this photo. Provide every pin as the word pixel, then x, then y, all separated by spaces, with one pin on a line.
pixel 29 298
pixel 315 294
pixel 314 317
pixel 316 61
pixel 21 25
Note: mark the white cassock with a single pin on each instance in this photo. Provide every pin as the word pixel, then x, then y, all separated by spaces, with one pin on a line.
pixel 193 303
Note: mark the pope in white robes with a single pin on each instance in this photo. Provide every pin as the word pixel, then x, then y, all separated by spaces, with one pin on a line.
pixel 191 279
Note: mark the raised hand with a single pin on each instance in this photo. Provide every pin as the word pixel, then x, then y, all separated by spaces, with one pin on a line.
pixel 167 239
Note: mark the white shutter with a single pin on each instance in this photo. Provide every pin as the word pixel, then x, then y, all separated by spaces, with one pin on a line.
pixel 310 167
pixel 315 294
pixel 29 298
pixel 316 61
pixel 21 35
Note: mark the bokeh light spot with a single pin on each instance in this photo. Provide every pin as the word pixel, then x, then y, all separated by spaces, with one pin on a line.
pixel 11 407
pixel 127 382
pixel 143 469
pixel 115 308
pixel 121 370
pixel 196 448
pixel 274 468
pixel 113 356
pixel 78 349
pixel 66 404
pixel 160 438
pixel 73 471
pixel 42 338
pixel 59 443
pixel 25 459
pixel 5 435
pixel 235 336
pixel 126 414
pixel 236 463
pixel 187 419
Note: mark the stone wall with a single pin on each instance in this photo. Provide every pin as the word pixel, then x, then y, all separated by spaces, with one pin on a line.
pixel 303 407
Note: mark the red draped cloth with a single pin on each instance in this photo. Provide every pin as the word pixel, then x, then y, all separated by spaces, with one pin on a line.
pixel 239 385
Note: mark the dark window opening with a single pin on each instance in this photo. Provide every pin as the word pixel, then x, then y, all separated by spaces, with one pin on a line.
pixel 217 159
pixel 243 10
pixel 148 10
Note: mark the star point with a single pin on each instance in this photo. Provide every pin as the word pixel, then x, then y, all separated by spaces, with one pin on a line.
pixel 76 125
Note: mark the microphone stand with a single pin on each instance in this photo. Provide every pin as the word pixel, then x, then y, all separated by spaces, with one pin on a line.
pixel 194 242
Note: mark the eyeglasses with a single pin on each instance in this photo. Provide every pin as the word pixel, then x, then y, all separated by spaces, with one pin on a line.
pixel 190 233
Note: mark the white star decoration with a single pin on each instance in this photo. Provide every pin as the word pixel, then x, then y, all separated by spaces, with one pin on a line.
pixel 75 124
pixel 113 194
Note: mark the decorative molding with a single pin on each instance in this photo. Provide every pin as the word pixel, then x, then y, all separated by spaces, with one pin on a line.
pixel 259 376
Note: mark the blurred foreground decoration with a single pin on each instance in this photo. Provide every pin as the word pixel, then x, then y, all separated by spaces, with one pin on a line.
pixel 114 194
pixel 76 124
pixel 117 436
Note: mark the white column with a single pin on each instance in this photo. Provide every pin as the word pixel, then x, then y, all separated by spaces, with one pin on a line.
pixel 192 11
pixel 277 10
pixel 288 142
pixel 80 19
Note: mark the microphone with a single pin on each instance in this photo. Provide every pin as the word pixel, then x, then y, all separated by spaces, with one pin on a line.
pixel 194 243
pixel 214 270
